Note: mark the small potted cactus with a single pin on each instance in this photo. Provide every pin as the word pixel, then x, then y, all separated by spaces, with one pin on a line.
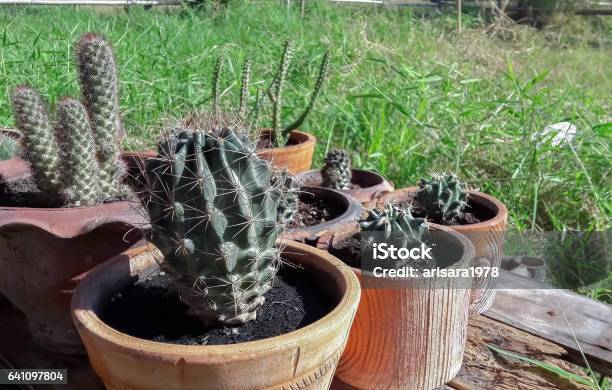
pixel 65 207
pixel 445 200
pixel 338 174
pixel 10 143
pixel 284 145
pixel 414 327
pixel 212 307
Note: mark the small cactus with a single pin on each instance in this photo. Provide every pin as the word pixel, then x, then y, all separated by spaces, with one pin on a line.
pixel 337 171
pixel 289 203
pixel 442 198
pixel 395 222
pixel 77 159
pixel 213 206
pixel 8 147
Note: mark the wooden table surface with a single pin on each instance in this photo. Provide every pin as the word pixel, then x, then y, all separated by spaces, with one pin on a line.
pixel 526 322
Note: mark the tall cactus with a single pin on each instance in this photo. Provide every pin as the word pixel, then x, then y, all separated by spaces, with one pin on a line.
pixel 213 206
pixel 275 93
pixel 40 146
pixel 80 171
pixel 443 198
pixel 76 160
pixel 98 76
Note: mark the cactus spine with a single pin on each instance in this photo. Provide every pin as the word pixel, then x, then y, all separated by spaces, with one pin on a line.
pixel 99 87
pixel 213 207
pixel 337 172
pixel 79 163
pixel 276 89
pixel 80 178
pixel 40 147
pixel 289 203
pixel 443 198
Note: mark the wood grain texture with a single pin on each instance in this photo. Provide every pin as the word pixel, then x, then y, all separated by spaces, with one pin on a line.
pixel 408 334
pixel 484 369
pixel 539 309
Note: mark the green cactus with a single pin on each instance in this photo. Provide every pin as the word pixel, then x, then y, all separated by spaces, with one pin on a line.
pixel 289 203
pixel 276 89
pixel 80 163
pixel 79 167
pixel 213 206
pixel 98 76
pixel 216 81
pixel 337 172
pixel 40 146
pixel 8 147
pixel 395 222
pixel 442 198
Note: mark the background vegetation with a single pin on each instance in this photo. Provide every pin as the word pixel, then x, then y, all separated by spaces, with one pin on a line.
pixel 407 95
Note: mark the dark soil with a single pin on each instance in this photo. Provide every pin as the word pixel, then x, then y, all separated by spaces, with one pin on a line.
pixel 311 211
pixel 348 250
pixel 476 215
pixel 150 309
pixel 266 143
pixel 21 192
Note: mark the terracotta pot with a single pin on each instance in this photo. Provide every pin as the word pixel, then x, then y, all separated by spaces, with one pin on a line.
pixel 44 252
pixel 302 359
pixel 487 237
pixel 407 334
pixel 295 158
pixel 371 184
pixel 347 207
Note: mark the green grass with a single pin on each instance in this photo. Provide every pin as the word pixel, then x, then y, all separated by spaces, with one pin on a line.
pixel 407 94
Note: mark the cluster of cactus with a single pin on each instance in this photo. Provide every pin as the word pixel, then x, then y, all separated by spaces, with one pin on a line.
pixel 280 133
pixel 213 206
pixel 291 193
pixel 337 172
pixel 443 198
pixel 76 159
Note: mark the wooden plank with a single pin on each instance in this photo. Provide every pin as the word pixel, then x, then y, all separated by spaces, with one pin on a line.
pixel 484 369
pixel 524 304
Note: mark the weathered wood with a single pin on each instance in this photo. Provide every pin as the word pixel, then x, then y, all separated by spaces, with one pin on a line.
pixel 484 369
pixel 524 304
pixel 18 351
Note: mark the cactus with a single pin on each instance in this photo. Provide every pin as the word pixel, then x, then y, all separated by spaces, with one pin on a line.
pixel 77 160
pixel 337 171
pixel 40 146
pixel 80 171
pixel 213 206
pixel 276 89
pixel 442 198
pixel 289 203
pixel 395 222
pixel 98 76
pixel 8 147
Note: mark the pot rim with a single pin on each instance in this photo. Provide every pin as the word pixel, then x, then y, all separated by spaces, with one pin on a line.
pixel 13 133
pixel 353 210
pixel 310 140
pixel 84 315
pixel 484 200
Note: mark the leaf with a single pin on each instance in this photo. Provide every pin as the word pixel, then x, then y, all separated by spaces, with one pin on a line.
pixel 545 366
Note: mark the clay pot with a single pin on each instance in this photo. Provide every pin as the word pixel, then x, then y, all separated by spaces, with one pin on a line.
pixel 408 334
pixel 370 184
pixel 347 207
pixel 302 359
pixel 44 252
pixel 295 158
pixel 487 237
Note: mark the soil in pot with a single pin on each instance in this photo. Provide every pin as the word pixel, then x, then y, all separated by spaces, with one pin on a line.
pixel 473 213
pixel 313 211
pixel 150 309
